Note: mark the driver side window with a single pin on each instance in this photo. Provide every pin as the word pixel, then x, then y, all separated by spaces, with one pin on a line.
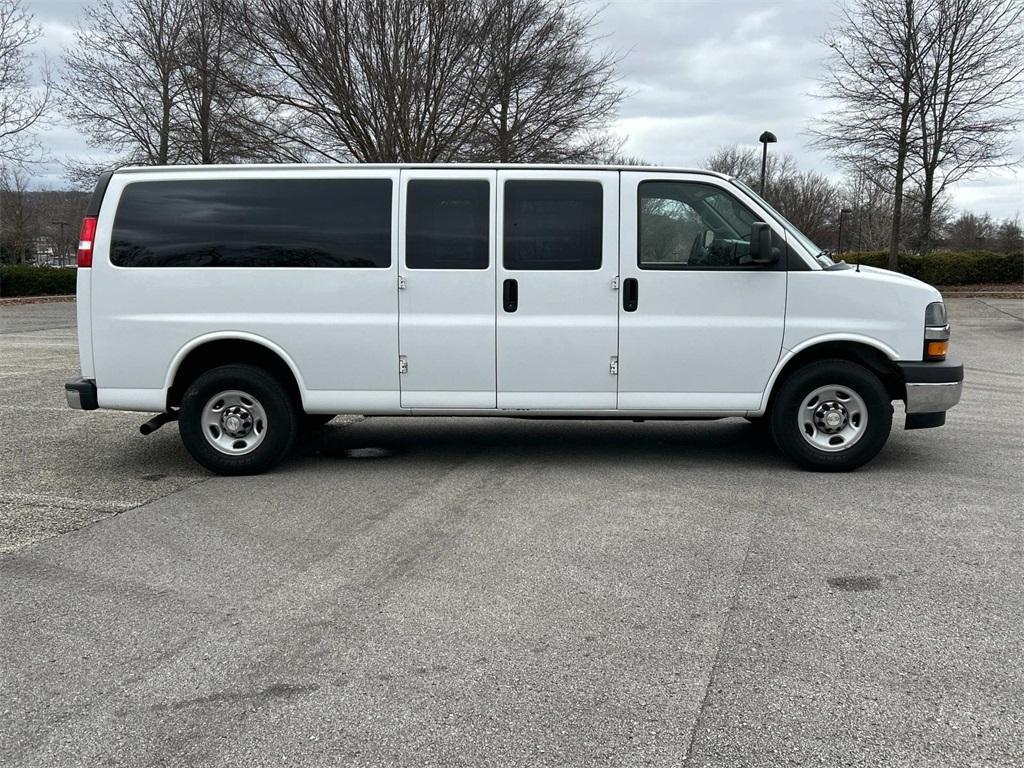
pixel 689 225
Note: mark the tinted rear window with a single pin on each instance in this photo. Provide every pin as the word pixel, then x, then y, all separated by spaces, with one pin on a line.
pixel 447 224
pixel 552 225
pixel 254 223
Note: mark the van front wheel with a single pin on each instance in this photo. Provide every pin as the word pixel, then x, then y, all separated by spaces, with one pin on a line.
pixel 831 416
pixel 237 420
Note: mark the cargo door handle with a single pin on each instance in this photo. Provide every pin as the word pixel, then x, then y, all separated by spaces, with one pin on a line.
pixel 630 294
pixel 510 295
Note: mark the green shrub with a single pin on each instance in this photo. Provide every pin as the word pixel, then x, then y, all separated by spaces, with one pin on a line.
pixel 16 280
pixel 951 267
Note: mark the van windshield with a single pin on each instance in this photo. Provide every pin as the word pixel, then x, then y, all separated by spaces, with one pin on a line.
pixel 804 240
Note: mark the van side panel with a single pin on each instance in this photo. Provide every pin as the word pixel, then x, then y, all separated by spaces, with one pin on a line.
pixel 338 325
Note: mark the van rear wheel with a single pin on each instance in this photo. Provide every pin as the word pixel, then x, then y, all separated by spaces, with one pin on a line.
pixel 237 420
pixel 831 416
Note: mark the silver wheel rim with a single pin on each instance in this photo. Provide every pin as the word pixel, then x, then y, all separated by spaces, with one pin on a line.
pixel 833 418
pixel 234 422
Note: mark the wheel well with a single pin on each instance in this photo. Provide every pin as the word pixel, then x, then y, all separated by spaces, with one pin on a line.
pixel 873 359
pixel 213 354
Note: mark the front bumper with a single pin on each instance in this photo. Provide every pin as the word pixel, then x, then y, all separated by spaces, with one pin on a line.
pixel 932 389
pixel 81 394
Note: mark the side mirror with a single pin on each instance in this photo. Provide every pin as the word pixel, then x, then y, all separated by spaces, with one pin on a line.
pixel 761 249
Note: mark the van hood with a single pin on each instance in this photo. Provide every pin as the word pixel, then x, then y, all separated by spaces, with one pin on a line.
pixel 895 278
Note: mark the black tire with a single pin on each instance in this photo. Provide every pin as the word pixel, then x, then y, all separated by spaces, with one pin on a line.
pixel 267 392
pixel 787 405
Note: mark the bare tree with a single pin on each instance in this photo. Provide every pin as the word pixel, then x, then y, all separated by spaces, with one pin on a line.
pixel 209 43
pixel 433 80
pixel 971 85
pixel 871 213
pixel 545 96
pixel 971 232
pixel 164 81
pixel 812 202
pixel 808 199
pixel 37 223
pixel 17 222
pixel 371 80
pixel 122 80
pixel 156 82
pixel 744 163
pixel 21 104
pixel 1010 236
pixel 58 214
pixel 872 73
pixel 218 121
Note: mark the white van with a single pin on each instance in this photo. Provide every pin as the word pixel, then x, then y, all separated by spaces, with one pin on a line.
pixel 251 302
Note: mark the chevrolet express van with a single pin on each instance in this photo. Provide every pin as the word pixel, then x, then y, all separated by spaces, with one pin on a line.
pixel 252 302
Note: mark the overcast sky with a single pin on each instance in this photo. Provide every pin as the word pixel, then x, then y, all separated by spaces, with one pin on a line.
pixel 698 74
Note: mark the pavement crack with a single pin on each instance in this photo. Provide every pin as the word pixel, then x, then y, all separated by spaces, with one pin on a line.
pixel 151 499
pixel 997 309
pixel 730 612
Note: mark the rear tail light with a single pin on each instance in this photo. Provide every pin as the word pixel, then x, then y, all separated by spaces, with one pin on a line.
pixel 85 241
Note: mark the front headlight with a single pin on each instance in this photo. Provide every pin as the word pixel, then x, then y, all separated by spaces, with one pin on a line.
pixel 935 314
pixel 936 332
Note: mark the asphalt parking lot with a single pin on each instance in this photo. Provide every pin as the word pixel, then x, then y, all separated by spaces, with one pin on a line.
pixel 487 592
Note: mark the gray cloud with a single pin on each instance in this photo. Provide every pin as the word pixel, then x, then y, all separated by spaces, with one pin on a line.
pixel 703 73
pixel 699 74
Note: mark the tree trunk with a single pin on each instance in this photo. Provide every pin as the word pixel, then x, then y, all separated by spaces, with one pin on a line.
pixel 205 119
pixel 894 234
pixel 165 126
pixel 898 182
pixel 503 137
pixel 927 207
pixel 902 147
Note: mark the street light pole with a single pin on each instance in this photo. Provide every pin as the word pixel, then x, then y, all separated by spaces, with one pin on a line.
pixel 839 244
pixel 765 138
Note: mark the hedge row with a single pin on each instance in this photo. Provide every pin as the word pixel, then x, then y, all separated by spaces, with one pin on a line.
pixel 18 280
pixel 950 267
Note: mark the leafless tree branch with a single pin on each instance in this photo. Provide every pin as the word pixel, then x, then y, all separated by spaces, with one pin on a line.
pixel 22 105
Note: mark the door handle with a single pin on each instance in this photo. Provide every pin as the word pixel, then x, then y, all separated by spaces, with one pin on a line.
pixel 630 294
pixel 510 295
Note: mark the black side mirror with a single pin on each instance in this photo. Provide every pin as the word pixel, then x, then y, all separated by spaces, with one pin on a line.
pixel 762 251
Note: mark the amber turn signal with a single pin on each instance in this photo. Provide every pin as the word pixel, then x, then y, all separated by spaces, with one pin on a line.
pixel 937 350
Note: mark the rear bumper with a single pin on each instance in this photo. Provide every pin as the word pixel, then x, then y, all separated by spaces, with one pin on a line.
pixel 932 388
pixel 81 394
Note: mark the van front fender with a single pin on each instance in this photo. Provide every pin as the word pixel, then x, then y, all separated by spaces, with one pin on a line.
pixel 835 343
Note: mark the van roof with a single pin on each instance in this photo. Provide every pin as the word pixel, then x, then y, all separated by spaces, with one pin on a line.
pixel 392 166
